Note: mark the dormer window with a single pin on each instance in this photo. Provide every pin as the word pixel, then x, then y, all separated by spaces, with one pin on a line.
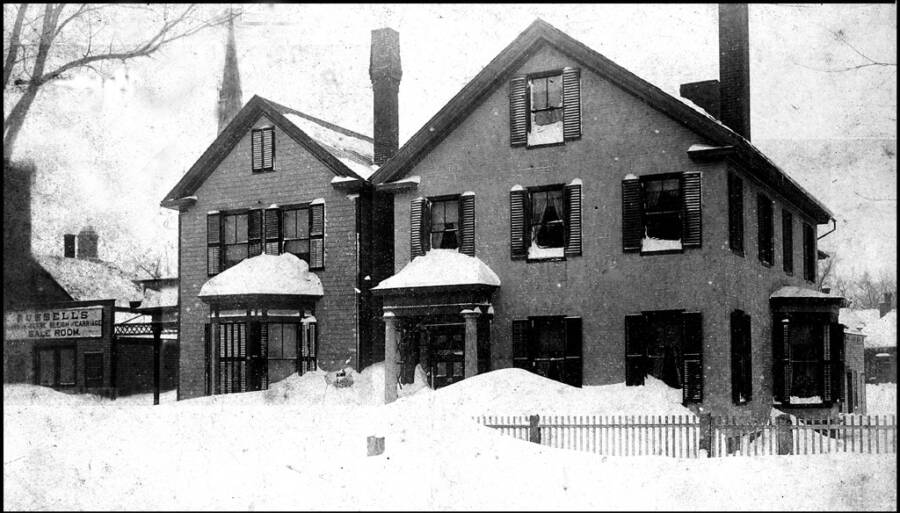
pixel 262 142
pixel 545 108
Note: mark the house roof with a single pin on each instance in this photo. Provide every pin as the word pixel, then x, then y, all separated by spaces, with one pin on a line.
pixel 441 268
pixel 540 33
pixel 264 275
pixel 344 152
pixel 85 279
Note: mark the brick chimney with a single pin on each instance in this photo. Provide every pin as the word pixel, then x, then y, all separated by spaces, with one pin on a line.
pixel 385 73
pixel 885 306
pixel 87 243
pixel 705 94
pixel 69 245
pixel 18 178
pixel 734 68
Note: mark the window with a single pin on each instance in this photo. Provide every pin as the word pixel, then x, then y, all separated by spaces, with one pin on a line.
pixel 55 366
pixel 549 347
pixel 736 214
pixel 233 369
pixel 661 213
pixel 545 108
pixel 308 344
pixel 282 341
pixel 741 368
pixel 234 236
pixel 809 350
pixel 93 369
pixel 668 345
pixel 445 223
pixel 765 229
pixel 787 241
pixel 547 231
pixel 262 141
pixel 809 253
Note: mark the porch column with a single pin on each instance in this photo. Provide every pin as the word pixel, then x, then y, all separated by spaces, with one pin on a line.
pixel 391 341
pixel 471 350
pixel 213 353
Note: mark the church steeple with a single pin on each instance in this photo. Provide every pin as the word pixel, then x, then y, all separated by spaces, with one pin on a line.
pixel 230 100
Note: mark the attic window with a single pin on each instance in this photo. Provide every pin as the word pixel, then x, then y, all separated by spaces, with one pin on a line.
pixel 262 141
pixel 546 119
pixel 545 108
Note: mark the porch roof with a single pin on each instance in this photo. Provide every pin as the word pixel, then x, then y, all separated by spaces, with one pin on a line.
pixel 264 276
pixel 441 268
pixel 799 295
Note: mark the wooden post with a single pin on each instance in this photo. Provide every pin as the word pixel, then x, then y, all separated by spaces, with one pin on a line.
pixel 391 340
pixel 534 430
pixel 157 343
pixel 706 433
pixel 784 434
pixel 471 348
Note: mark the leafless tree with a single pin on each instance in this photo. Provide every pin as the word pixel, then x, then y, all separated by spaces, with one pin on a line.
pixel 43 43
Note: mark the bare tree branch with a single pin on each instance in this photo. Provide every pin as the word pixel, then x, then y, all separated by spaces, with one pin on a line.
pixel 13 51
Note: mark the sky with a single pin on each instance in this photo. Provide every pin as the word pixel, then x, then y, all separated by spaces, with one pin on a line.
pixel 109 148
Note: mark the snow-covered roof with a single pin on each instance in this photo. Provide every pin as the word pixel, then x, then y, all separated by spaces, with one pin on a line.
pixel 857 320
pixel 800 292
pixel 353 150
pixel 282 275
pixel 90 279
pixel 883 332
pixel 441 267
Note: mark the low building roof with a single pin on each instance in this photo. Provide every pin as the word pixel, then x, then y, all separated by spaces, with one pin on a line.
pixel 441 268
pixel 264 275
pixel 90 279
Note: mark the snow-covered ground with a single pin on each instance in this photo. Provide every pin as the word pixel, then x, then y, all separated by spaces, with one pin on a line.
pixel 302 445
pixel 881 399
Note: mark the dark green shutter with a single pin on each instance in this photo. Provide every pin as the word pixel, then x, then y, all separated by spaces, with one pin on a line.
pixel 254 232
pixel 317 236
pixel 635 353
pixel 520 353
pixel 268 148
pixel 416 222
pixel 737 321
pixel 256 149
pixel 692 338
pixel 273 231
pixel 692 235
pixel 467 224
pixel 787 241
pixel 748 358
pixel 518 111
pixel 518 239
pixel 573 219
pixel 632 226
pixel 213 248
pixel 736 214
pixel 572 103
pixel 838 356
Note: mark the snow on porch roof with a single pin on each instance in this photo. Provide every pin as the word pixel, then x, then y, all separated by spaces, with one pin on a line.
pixel 441 267
pixel 282 275
pixel 791 292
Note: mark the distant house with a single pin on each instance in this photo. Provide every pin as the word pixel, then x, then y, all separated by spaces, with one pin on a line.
pixel 277 242
pixel 854 365
pixel 562 215
pixel 881 346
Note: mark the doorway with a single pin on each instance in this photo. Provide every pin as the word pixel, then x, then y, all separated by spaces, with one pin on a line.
pixel 446 344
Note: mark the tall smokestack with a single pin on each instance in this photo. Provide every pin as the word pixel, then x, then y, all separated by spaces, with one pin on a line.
pixel 385 72
pixel 734 67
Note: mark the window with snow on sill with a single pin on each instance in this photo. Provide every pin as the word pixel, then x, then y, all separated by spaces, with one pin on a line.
pixel 536 252
pixel 650 244
pixel 806 400
pixel 545 134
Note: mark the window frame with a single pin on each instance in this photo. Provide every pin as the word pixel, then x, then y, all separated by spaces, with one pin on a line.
pixel 282 246
pixel 530 112
pixel 223 216
pixel 642 181
pixel 525 357
pixel 56 351
pixel 459 215
pixel 561 188
pixel 828 358
pixel 262 139
pixel 765 230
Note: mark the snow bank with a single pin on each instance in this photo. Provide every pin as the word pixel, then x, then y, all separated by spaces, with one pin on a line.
pixel 441 267
pixel 265 274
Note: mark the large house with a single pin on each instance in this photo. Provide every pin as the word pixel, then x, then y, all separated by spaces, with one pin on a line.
pixel 562 215
pixel 277 250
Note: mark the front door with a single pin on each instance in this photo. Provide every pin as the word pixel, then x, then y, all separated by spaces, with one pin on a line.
pixel 447 353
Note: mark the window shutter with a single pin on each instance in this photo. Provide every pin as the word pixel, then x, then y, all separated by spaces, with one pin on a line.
pixel 692 337
pixel 573 351
pixel 254 232
pixel 748 358
pixel 518 111
pixel 213 227
pixel 809 254
pixel 737 321
pixel 268 148
pixel 634 350
pixel 467 224
pixel 273 231
pixel 693 220
pixel 787 241
pixel 787 370
pixel 632 228
pixel 518 245
pixel 317 236
pixel 520 332
pixel 573 223
pixel 417 235
pixel 256 149
pixel 736 214
pixel 572 103
pixel 213 249
pixel 837 358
